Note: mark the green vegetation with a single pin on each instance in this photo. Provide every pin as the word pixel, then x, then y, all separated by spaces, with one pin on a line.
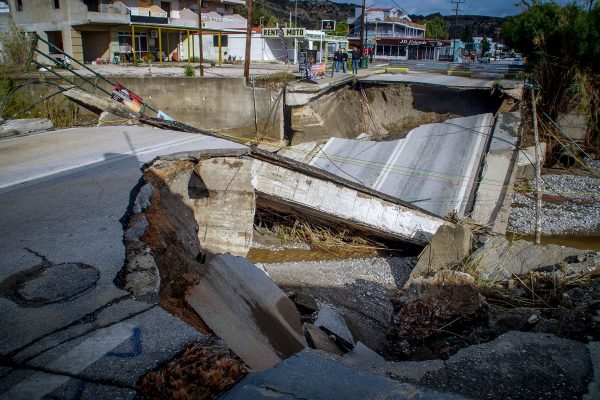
pixel 436 28
pixel 188 70
pixel 15 47
pixel 260 16
pixel 562 46
pixel 485 46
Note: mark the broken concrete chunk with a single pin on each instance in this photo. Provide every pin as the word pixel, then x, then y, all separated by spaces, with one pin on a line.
pixel 305 303
pixel 248 311
pixel 98 104
pixel 449 245
pixel 333 324
pixel 362 355
pixel 14 127
pixel 317 339
pixel 224 204
pixel 498 259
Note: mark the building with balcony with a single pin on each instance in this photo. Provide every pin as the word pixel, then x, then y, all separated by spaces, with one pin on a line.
pixel 392 35
pixel 100 30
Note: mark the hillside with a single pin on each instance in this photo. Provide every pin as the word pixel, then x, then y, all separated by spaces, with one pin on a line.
pixel 311 12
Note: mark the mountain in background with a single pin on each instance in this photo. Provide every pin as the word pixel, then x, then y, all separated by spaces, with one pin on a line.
pixel 311 12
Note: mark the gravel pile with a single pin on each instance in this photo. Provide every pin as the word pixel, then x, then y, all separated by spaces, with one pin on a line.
pixel 571 205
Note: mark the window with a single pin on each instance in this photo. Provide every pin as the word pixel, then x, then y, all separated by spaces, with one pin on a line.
pixel 19 5
pixel 223 40
pixel 166 6
pixel 55 4
pixel 55 38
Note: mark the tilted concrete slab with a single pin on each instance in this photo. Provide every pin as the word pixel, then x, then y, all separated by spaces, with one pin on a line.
pixel 312 375
pixel 426 78
pixel 435 167
pixel 244 307
pixel 492 200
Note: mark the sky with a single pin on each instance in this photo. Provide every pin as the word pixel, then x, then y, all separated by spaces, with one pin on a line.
pixel 497 8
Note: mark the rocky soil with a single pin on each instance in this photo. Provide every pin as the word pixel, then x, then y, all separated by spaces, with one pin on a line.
pixel 570 205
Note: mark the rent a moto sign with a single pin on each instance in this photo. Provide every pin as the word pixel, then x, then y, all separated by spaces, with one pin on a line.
pixel 287 32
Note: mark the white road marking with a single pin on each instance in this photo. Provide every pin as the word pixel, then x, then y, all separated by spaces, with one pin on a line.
pixel 73 362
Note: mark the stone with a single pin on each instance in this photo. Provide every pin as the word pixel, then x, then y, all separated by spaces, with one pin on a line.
pixel 594 385
pixel 333 323
pixel 304 302
pixel 499 259
pixel 312 375
pixel 361 354
pixel 317 339
pixel 24 126
pixel 56 283
pixel 521 365
pixel 244 307
pixel 449 245
pixel 142 199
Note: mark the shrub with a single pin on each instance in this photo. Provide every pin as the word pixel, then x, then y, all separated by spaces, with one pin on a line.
pixel 188 70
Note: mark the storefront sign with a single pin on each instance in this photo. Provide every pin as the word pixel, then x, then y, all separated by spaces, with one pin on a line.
pixel 412 42
pixel 287 32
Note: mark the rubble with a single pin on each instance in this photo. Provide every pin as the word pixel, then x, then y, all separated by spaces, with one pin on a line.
pixel 306 303
pixel 431 305
pixel 14 127
pixel 248 311
pixel 362 355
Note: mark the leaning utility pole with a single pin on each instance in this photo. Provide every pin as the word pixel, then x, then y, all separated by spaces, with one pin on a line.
pixel 200 37
pixel 362 26
pixel 248 41
pixel 457 4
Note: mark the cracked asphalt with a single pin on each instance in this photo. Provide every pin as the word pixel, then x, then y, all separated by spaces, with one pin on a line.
pixel 62 194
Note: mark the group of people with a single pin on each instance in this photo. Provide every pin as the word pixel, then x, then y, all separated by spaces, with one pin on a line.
pixel 340 57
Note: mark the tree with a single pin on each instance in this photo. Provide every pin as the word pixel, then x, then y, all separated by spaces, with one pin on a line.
pixel 259 16
pixel 485 46
pixel 436 28
pixel 467 35
pixel 341 28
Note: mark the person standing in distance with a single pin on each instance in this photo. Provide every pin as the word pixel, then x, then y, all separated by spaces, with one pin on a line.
pixel 344 60
pixel 355 59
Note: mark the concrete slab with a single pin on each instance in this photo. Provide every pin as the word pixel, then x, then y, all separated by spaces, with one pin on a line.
pixel 244 307
pixel 434 79
pixel 310 375
pixel 27 384
pixel 434 167
pixel 63 195
pixel 121 352
pixel 361 354
pixel 333 323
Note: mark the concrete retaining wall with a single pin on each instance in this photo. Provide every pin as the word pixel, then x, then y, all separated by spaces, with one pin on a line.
pixel 224 105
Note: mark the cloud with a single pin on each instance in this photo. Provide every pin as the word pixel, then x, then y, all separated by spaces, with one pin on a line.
pixel 499 8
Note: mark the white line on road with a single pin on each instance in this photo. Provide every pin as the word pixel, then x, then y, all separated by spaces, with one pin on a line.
pixel 73 362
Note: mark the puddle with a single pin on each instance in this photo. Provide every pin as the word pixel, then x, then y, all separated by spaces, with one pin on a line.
pixel 591 242
pixel 291 255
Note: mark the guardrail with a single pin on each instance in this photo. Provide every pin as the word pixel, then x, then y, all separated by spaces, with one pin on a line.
pixel 453 68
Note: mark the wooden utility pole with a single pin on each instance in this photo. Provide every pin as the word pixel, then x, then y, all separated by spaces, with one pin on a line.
pixel 362 26
pixel 200 37
pixel 248 41
pixel 538 174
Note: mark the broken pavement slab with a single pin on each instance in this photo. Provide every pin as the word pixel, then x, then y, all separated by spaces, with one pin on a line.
pixel 121 352
pixel 361 354
pixel 311 375
pixel 333 323
pixel 244 307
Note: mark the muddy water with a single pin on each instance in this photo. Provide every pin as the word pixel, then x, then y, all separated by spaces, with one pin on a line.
pixel 591 242
pixel 290 255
